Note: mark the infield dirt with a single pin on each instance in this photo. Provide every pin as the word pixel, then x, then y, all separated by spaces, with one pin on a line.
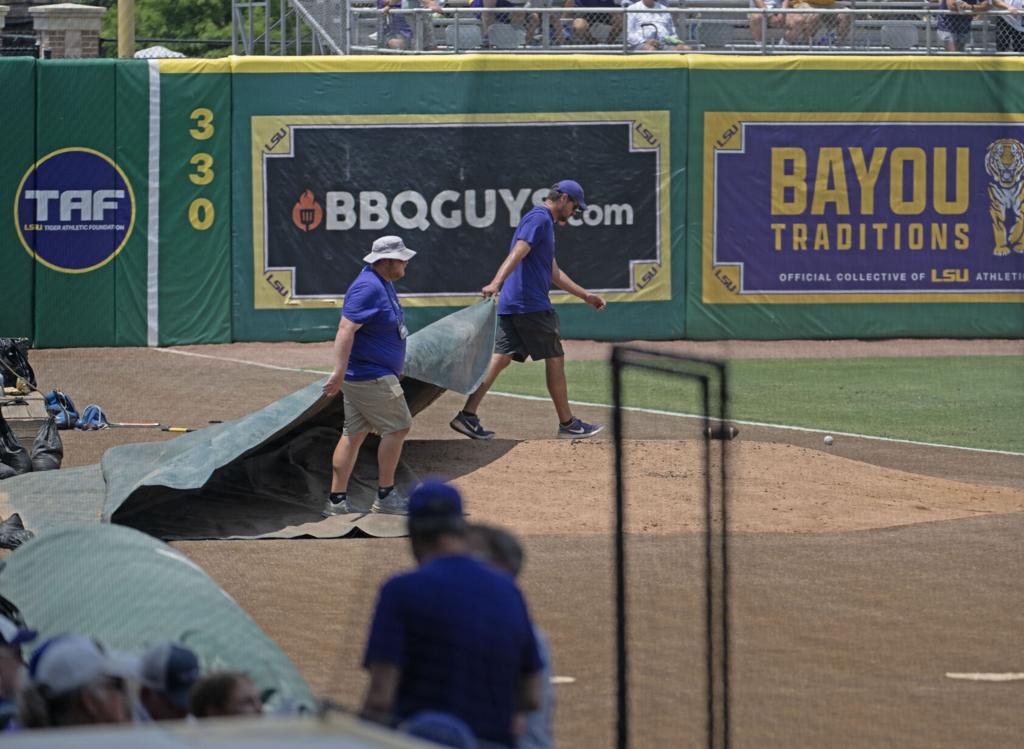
pixel 862 572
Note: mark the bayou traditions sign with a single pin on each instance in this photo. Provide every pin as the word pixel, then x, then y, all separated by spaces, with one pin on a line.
pixel 868 207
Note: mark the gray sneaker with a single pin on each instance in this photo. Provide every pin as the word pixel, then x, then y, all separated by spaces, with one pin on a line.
pixel 392 503
pixel 344 507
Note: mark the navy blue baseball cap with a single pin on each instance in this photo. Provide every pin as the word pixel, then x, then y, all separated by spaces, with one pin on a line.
pixel 574 190
pixel 435 501
pixel 171 670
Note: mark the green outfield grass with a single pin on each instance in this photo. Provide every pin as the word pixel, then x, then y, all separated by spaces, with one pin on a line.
pixel 967 401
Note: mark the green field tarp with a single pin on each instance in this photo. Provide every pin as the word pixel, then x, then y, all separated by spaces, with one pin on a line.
pixel 263 475
pixel 131 591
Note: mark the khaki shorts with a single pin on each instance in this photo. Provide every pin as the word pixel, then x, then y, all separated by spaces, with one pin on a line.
pixel 376 406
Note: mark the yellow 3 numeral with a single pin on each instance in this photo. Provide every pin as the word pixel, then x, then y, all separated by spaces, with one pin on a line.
pixel 203 175
pixel 201 214
pixel 204 124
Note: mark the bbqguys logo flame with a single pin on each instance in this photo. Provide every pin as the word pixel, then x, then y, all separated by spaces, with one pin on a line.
pixel 307 213
pixel 74 210
pixel 373 210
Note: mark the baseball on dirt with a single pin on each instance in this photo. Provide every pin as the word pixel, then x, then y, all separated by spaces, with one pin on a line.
pixel 828 439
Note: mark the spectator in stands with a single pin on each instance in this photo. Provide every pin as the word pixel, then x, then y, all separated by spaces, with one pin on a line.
pixel 486 19
pixel 499 547
pixel 453 635
pixel 1010 29
pixel 954 30
pixel 166 676
pixel 648 31
pixel 534 25
pixel 73 681
pixel 581 24
pixel 397 31
pixel 805 26
pixel 224 694
pixel 369 353
pixel 13 634
pixel 760 21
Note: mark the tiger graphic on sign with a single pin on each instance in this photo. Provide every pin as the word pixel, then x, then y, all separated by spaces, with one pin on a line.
pixel 1004 162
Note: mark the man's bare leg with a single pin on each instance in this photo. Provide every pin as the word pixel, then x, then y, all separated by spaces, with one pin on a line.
pixel 344 460
pixel 388 453
pixel 498 363
pixel 554 369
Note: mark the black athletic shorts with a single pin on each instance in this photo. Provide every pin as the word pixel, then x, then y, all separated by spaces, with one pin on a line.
pixel 533 334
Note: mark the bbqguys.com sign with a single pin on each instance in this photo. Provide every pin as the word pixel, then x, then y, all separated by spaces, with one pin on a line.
pixel 325 188
pixel 74 210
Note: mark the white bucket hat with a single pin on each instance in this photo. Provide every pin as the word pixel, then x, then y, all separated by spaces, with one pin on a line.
pixel 388 248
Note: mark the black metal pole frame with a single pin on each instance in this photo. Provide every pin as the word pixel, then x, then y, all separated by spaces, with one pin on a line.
pixel 711 377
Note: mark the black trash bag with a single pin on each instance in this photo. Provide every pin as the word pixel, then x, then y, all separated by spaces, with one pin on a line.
pixel 13 533
pixel 14 362
pixel 11 451
pixel 47 449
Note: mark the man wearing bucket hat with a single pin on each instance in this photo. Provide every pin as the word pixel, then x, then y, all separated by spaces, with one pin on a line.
pixel 527 322
pixel 369 354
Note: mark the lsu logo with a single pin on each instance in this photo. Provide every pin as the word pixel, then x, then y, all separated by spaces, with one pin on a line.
pixel 1004 162
pixel 74 210
pixel 307 213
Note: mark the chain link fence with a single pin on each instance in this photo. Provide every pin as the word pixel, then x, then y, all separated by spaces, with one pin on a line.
pixel 714 26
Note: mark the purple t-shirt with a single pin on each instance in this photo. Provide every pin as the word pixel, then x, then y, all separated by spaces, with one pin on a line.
pixel 378 349
pixel 396 24
pixel 526 289
pixel 461 635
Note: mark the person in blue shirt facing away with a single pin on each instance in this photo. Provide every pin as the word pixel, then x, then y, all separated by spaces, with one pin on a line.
pixel 527 322
pixel 452 636
pixel 499 547
pixel 369 354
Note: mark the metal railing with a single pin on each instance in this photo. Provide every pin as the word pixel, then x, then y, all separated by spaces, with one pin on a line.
pixel 295 27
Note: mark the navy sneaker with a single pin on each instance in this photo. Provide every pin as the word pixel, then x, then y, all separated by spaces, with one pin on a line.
pixel 468 425
pixel 578 430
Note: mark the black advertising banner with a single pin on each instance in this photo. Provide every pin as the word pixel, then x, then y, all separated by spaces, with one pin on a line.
pixel 454 189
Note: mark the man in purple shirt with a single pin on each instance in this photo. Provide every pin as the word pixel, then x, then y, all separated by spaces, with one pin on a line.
pixel 452 636
pixel 369 351
pixel 527 322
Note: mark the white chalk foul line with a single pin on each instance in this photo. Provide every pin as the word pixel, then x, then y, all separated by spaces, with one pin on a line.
pixel 680 414
pixel 240 361
pixel 987 677
pixel 637 409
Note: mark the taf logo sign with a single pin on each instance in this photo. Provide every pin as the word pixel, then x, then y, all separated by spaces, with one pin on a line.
pixel 74 210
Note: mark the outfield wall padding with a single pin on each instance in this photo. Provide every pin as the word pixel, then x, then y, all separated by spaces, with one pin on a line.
pixel 198 201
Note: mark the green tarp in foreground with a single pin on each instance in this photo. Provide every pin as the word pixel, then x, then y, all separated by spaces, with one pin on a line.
pixel 263 475
pixel 131 591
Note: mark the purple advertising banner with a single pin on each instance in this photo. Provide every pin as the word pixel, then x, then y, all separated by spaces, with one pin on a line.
pixel 839 210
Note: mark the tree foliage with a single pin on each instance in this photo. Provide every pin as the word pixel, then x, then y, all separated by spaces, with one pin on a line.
pixel 174 19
